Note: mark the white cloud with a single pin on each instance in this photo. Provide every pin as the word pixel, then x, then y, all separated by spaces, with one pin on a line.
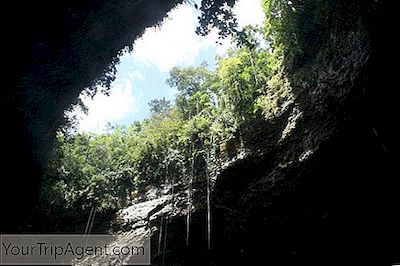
pixel 135 75
pixel 249 12
pixel 176 43
pixel 106 109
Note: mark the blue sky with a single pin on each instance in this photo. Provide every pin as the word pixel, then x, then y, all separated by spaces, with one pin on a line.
pixel 141 74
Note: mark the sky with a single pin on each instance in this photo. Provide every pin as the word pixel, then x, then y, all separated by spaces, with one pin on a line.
pixel 141 74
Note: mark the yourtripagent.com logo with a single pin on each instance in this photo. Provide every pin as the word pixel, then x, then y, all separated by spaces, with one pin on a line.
pixel 74 249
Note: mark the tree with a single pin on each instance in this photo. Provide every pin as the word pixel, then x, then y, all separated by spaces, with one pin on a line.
pixel 193 85
pixel 217 14
pixel 159 106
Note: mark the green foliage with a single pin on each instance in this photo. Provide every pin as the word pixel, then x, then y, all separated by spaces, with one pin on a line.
pixel 192 84
pixel 91 170
pixel 298 27
pixel 159 106
pixel 276 94
pixel 217 14
pixel 239 79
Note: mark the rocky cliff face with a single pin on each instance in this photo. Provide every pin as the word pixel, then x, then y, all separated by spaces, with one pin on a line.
pixel 315 183
pixel 312 191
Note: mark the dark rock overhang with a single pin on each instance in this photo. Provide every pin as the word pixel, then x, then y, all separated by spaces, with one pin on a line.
pixel 54 50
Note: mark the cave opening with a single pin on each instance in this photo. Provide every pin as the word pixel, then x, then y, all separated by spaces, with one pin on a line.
pixel 94 168
pixel 286 136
